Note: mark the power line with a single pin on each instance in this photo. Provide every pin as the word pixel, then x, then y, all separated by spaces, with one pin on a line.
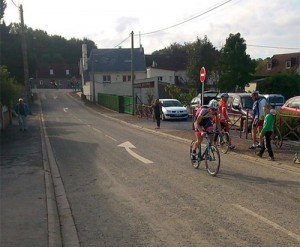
pixel 14 4
pixel 122 42
pixel 275 47
pixel 192 18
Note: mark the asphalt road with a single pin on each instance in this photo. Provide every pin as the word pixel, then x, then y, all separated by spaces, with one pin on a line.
pixel 131 186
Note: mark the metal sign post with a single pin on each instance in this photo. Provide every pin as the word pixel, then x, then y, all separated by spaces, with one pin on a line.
pixel 202 79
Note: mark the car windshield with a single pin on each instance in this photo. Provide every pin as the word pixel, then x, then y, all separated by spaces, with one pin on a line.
pixel 170 103
pixel 276 99
pixel 247 102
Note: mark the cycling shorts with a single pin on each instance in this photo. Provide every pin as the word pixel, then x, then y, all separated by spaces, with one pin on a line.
pixel 257 122
pixel 202 133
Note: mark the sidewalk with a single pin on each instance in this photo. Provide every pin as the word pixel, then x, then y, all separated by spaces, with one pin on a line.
pixel 23 200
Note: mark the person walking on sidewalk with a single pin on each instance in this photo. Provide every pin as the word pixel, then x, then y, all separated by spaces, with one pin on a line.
pixel 267 132
pixel 22 110
pixel 258 118
pixel 156 109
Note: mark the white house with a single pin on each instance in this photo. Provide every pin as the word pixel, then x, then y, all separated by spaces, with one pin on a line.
pixel 109 71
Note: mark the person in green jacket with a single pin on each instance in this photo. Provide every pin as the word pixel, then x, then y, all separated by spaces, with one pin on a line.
pixel 267 132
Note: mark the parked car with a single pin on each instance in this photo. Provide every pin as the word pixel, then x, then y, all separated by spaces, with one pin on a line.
pixel 275 100
pixel 173 109
pixel 292 105
pixel 196 101
pixel 239 106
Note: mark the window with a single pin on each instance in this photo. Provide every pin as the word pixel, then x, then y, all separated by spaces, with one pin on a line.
pixel 269 66
pixel 126 78
pixel 106 79
pixel 288 64
pixel 51 72
pixel 67 72
pixel 159 78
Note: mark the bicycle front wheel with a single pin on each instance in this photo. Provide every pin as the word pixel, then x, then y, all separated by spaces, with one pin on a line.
pixel 195 162
pixel 224 143
pixel 212 160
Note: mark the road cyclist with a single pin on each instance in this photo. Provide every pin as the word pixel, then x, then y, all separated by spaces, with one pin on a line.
pixel 225 142
pixel 204 127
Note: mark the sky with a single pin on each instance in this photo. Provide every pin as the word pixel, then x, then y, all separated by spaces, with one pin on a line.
pixel 268 27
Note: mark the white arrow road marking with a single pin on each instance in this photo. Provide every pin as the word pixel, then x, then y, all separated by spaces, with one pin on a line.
pixel 128 146
pixel 66 109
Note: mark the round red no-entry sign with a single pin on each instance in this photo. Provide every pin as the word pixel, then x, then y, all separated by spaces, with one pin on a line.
pixel 202 74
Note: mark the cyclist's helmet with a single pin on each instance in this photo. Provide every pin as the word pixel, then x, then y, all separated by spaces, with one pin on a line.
pixel 224 95
pixel 213 104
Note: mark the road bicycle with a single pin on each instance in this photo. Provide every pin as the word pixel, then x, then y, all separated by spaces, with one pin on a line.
pixel 210 155
pixel 223 141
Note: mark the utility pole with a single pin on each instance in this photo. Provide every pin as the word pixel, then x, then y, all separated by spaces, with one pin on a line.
pixel 25 58
pixel 132 73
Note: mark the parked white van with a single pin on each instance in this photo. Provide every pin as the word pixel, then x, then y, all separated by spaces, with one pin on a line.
pixel 275 100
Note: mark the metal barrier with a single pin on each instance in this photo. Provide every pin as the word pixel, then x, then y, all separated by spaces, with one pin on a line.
pixel 291 130
pixel 242 127
pixel 144 110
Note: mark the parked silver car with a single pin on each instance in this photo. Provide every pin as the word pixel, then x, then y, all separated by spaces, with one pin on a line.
pixel 173 109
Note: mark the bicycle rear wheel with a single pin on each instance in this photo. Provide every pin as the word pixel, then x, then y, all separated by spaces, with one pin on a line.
pixel 212 160
pixel 224 142
pixel 277 138
pixel 195 163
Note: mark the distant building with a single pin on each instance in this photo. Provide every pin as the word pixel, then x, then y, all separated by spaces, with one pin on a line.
pixel 64 75
pixel 279 63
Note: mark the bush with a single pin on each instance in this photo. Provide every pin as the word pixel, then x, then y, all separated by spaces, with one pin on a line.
pixel 10 90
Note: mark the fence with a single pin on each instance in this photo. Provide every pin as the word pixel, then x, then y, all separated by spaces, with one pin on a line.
pixel 289 126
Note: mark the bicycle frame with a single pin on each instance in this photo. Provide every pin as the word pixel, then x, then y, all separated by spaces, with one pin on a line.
pixel 210 155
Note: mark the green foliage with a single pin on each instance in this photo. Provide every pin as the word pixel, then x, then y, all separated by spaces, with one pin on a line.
pixel 176 93
pixel 10 90
pixel 201 53
pixel 236 66
pixel 2 8
pixel 173 91
pixel 287 84
pixel 41 49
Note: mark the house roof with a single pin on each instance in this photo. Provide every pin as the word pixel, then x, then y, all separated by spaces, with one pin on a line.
pixel 116 60
pixel 278 63
pixel 59 71
pixel 165 62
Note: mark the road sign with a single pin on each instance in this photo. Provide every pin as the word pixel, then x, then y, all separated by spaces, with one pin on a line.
pixel 202 74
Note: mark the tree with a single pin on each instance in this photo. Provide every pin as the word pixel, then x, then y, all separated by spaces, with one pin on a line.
pixel 236 66
pixel 287 84
pixel 10 90
pixel 2 8
pixel 201 53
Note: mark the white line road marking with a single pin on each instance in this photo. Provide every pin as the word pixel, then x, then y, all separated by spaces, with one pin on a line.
pixel 271 223
pixel 128 146
pixel 66 109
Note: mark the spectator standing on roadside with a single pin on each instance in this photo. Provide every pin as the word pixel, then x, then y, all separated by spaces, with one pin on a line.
pixel 156 109
pixel 266 133
pixel 22 110
pixel 258 118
